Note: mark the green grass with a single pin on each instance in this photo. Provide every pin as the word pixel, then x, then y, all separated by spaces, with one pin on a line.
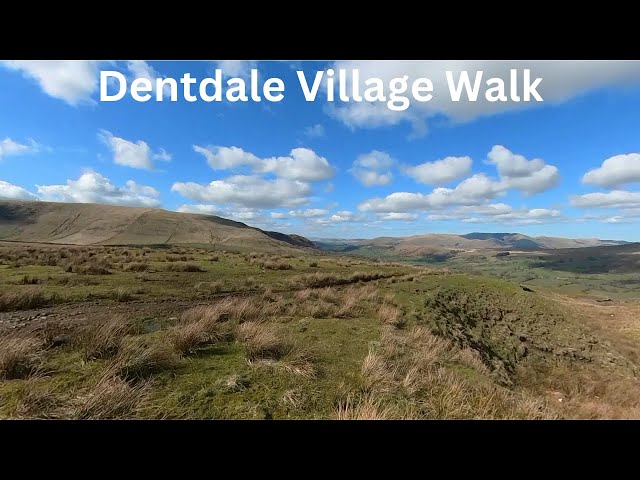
pixel 317 372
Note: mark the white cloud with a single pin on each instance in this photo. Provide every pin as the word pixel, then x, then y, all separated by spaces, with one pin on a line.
pixel 247 191
pixel 141 69
pixel 223 158
pixel 343 216
pixel 528 176
pixel 561 81
pixel 613 199
pixel 201 209
pixel 472 191
pixel 499 213
pixel 314 131
pixel 236 68
pixel 440 171
pixel 302 163
pixel 310 212
pixel 73 81
pixel 373 168
pixel 279 215
pixel 9 147
pixel 399 216
pixel 8 191
pixel 92 187
pixel 132 154
pixel 615 171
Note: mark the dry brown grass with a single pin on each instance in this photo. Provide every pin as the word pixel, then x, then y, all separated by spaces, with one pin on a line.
pixel 209 287
pixel 420 368
pixel 39 400
pixel 366 408
pixel 23 298
pixel 103 339
pixel 183 267
pixel 351 304
pixel 19 356
pixel 261 341
pixel 111 398
pixel 390 315
pixel 136 267
pixel 271 265
pixel 199 326
pixel 302 295
pixel 138 359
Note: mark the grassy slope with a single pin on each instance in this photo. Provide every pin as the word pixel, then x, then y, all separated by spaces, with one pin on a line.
pixel 446 346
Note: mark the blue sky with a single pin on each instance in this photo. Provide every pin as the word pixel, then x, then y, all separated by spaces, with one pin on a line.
pixel 569 166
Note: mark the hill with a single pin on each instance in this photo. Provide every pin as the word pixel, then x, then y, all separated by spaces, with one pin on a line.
pixel 92 224
pixel 434 243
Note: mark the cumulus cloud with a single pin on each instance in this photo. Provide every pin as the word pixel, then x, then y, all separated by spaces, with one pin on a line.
pixel 9 147
pixel 615 171
pixel 8 191
pixel 471 191
pixel 528 176
pixel 373 168
pixel 613 199
pixel 398 216
pixel 141 69
pixel 73 81
pixel 236 68
pixel 92 187
pixel 132 154
pixel 343 216
pixel 308 213
pixel 314 131
pixel 302 163
pixel 247 191
pixel 561 81
pixel 499 213
pixel 440 172
pixel 199 208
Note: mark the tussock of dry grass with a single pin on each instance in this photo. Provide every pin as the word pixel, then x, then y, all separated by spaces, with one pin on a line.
pixel 136 267
pixel 261 341
pixel 183 267
pixel 367 408
pixel 199 326
pixel 209 287
pixel 419 368
pixel 39 401
pixel 103 339
pixel 390 315
pixel 23 298
pixel 19 356
pixel 138 359
pixel 322 279
pixel 111 398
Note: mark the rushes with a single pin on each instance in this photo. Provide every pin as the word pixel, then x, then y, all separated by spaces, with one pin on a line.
pixel 23 298
pixel 103 339
pixel 111 398
pixel 19 357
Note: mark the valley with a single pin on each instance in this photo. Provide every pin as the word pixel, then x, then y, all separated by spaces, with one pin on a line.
pixel 155 315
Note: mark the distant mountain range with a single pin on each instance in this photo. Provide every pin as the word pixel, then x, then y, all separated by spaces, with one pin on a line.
pixel 438 242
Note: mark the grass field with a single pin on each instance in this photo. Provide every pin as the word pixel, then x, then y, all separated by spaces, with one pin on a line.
pixel 190 332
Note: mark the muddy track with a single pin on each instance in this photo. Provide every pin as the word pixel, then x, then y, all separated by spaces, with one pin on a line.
pixel 92 310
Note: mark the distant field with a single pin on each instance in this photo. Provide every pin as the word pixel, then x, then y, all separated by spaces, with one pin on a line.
pixel 594 271
pixel 194 332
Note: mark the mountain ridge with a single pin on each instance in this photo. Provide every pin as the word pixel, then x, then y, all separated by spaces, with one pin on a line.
pixel 98 224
